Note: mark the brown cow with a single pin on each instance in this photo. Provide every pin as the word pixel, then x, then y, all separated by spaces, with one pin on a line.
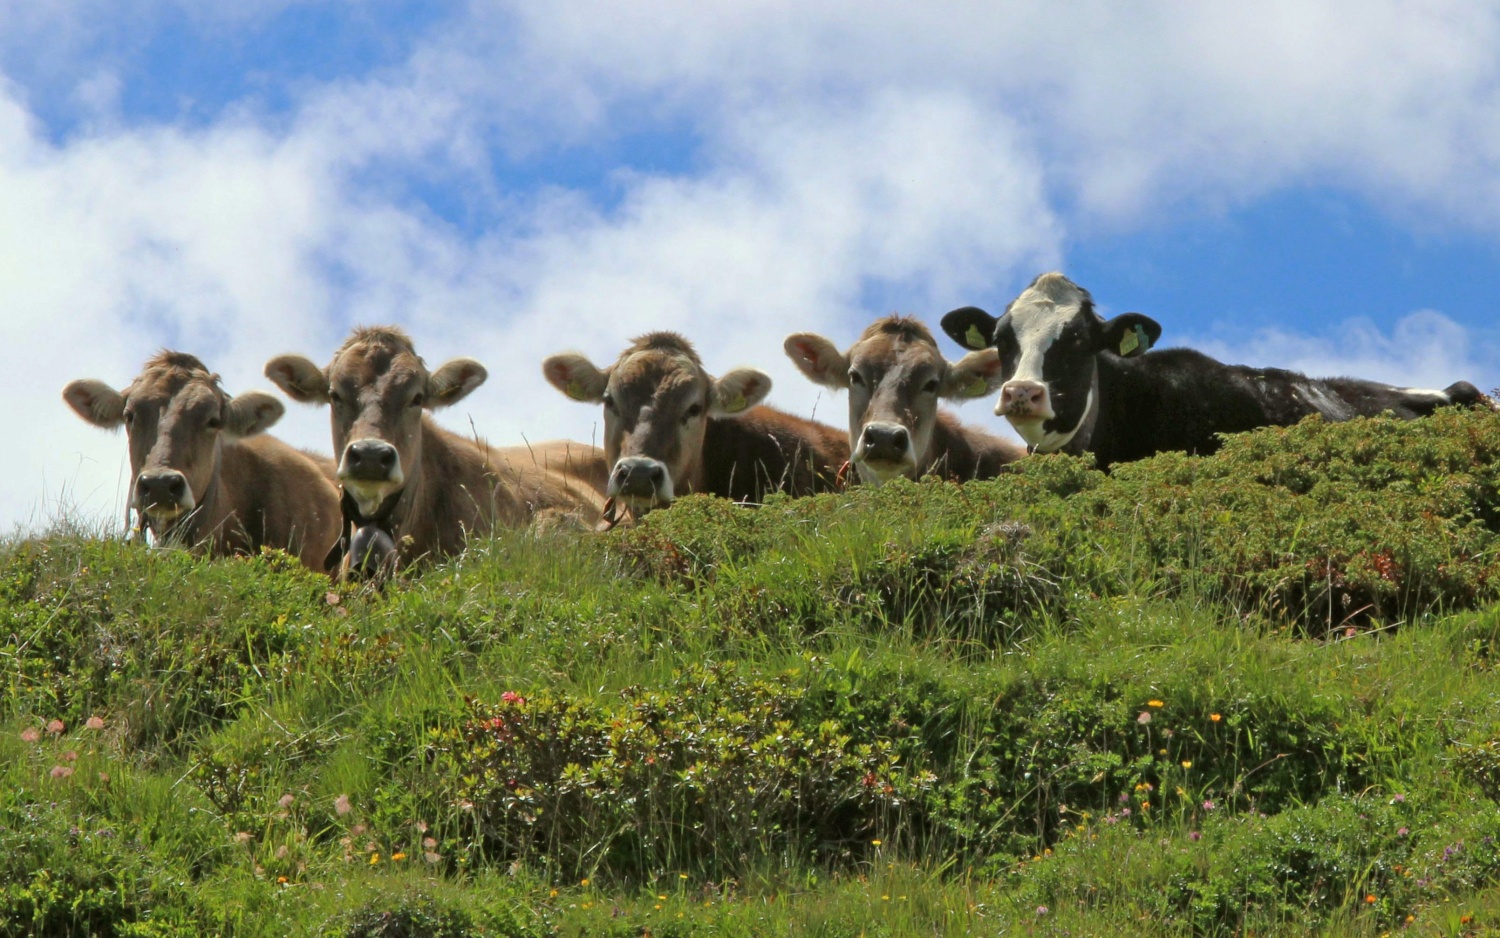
pixel 894 375
pixel 200 474
pixel 424 487
pixel 670 428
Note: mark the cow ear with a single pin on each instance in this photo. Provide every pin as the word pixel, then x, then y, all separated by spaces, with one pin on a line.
pixel 1131 334
pixel 302 381
pixel 96 402
pixel 974 375
pixel 576 377
pixel 739 390
pixel 251 413
pixel 453 381
pixel 819 359
pixel 970 327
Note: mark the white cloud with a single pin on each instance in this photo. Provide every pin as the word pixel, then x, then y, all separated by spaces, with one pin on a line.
pixel 934 151
pixel 237 243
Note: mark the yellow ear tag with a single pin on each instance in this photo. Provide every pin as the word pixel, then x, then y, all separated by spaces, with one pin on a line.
pixel 975 338
pixel 976 388
pixel 577 391
pixel 734 404
pixel 1130 342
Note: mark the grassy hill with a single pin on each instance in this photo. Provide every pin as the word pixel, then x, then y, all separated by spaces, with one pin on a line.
pixel 1253 693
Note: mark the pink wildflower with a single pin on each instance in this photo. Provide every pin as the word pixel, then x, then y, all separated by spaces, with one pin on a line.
pixel 55 727
pixel 62 771
pixel 286 800
pixel 1144 718
pixel 341 805
pixel 30 734
pixel 95 723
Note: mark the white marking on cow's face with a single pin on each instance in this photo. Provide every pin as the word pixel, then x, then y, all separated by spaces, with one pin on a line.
pixel 1036 331
pixel 1045 441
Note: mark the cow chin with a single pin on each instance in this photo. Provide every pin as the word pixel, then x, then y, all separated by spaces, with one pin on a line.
pixel 1041 440
pixel 880 471
pixel 163 515
pixel 640 504
pixel 369 495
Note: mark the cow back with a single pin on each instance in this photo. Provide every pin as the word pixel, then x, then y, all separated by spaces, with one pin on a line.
pixel 764 450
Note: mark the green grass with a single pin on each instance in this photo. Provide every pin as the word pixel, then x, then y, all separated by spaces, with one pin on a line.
pixel 1254 693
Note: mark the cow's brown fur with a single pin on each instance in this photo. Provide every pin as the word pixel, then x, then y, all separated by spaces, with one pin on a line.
pixel 248 492
pixel 895 375
pixel 766 450
pixel 451 485
pixel 661 405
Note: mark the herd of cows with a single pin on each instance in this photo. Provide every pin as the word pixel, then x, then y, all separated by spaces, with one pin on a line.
pixel 203 473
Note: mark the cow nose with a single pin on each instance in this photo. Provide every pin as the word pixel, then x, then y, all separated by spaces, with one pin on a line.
pixel 164 487
pixel 369 461
pixel 1024 399
pixel 639 477
pixel 884 442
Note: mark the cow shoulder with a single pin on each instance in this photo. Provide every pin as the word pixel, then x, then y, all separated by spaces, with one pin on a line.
pixel 282 495
pixel 964 452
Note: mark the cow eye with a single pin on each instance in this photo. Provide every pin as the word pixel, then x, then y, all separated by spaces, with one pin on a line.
pixel 129 417
pixel 418 400
pixel 214 422
pixel 692 412
pixel 855 379
pixel 930 387
pixel 609 401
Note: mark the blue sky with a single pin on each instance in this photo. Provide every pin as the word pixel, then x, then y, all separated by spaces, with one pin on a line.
pixel 1312 185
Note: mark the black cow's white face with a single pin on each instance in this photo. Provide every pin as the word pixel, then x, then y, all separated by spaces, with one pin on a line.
pixel 1049 339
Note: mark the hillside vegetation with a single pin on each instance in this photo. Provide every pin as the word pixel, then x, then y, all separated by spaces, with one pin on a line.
pixel 1252 693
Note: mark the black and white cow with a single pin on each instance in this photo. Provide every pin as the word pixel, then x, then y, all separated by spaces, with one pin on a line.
pixel 1076 382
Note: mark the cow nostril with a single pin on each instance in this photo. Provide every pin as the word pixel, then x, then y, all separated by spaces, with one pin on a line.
pixel 657 474
pixel 176 486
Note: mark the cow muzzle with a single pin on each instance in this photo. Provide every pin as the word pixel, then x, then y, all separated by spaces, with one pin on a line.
pixel 1024 400
pixel 641 483
pixel 370 471
pixel 883 451
pixel 163 494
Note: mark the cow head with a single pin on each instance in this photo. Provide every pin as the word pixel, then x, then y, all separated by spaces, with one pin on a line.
pixel 174 415
pixel 657 400
pixel 378 389
pixel 1049 340
pixel 894 375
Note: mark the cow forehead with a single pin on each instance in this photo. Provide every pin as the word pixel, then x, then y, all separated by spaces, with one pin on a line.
pixel 177 386
pixel 369 363
pixel 1046 308
pixel 655 374
pixel 887 352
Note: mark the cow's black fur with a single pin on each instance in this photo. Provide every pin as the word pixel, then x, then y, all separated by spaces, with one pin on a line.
pixel 1181 399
